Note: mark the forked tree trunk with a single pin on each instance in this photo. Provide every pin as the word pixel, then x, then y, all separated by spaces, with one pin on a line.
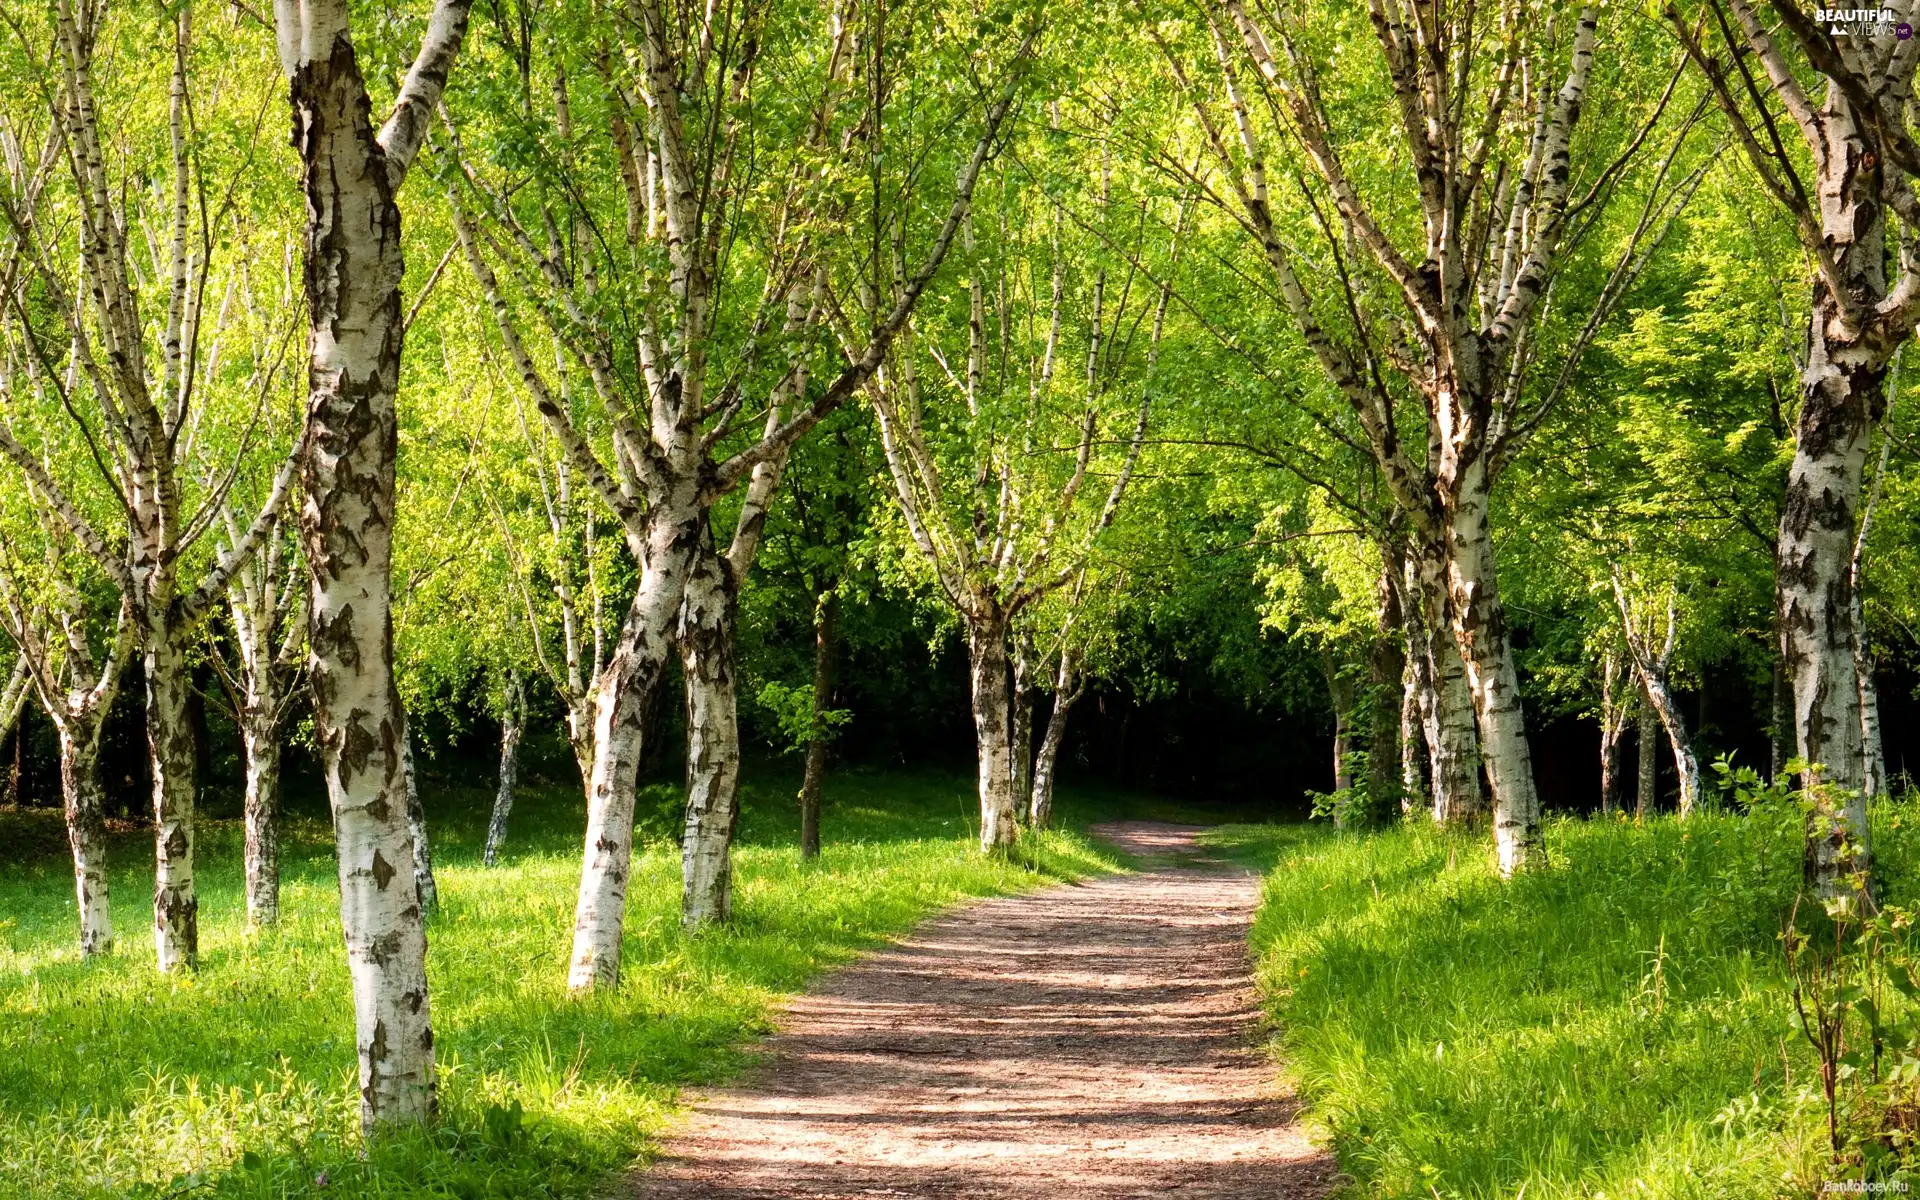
pixel 171 749
pixel 86 829
pixel 824 651
pixel 1649 734
pixel 1686 765
pixel 512 722
pixel 987 661
pixel 1020 724
pixel 713 743
pixel 423 881
pixel 621 704
pixel 260 744
pixel 1480 625
pixel 1453 744
pixel 353 272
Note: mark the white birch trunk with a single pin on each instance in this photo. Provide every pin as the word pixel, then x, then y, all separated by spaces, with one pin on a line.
pixel 1453 744
pixel 1480 626
pixel 1686 765
pixel 176 909
pixel 353 273
pixel 260 745
pixel 1340 693
pixel 513 722
pixel 713 744
pixel 1614 708
pixel 987 655
pixel 627 687
pixel 1068 686
pixel 86 829
pixel 1020 724
pixel 423 881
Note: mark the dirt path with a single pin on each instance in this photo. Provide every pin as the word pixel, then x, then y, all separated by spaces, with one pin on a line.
pixel 1087 1041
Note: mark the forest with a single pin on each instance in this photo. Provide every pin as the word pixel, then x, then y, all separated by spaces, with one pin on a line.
pixel 715 599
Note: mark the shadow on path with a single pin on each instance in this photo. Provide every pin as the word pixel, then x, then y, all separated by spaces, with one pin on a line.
pixel 1088 1041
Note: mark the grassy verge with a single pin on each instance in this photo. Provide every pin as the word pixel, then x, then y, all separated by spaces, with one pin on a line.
pixel 1613 1025
pixel 118 1082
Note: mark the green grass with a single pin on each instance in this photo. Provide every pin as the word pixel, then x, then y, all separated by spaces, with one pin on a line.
pixel 118 1082
pixel 1613 1025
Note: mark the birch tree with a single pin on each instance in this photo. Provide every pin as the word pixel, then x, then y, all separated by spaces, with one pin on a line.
pixel 1839 165
pixel 1650 640
pixel 680 127
pixel 45 614
pixel 351 174
pixel 1485 101
pixel 266 604
pixel 137 384
pixel 1006 508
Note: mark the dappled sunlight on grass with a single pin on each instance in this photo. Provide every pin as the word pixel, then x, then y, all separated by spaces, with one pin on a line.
pixel 116 1081
pixel 1614 1024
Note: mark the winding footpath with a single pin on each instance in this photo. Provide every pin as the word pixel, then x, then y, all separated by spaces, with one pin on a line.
pixel 1086 1042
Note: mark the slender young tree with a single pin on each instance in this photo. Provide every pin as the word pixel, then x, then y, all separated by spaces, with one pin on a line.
pixel 266 601
pixel 513 724
pixel 46 616
pixel 1638 628
pixel 351 174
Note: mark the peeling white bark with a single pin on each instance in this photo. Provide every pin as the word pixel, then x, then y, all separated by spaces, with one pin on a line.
pixel 353 273
pixel 713 743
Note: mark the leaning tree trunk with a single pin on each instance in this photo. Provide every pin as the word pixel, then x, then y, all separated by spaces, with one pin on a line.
pixel 353 273
pixel 1480 626
pixel 171 750
pixel 1446 702
pixel 87 828
pixel 260 744
pixel 1020 724
pixel 713 744
pixel 824 648
pixel 423 880
pixel 1649 735
pixel 622 702
pixel 1686 765
pixel 1067 689
pixel 987 655
pixel 512 722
